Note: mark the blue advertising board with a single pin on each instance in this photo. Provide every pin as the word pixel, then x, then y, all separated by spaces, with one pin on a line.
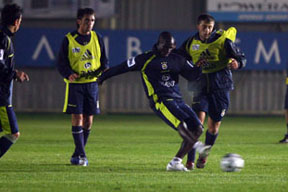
pixel 38 47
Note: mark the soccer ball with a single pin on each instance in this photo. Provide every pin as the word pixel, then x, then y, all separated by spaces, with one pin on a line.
pixel 232 162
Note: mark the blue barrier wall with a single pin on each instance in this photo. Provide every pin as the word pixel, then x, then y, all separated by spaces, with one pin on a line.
pixel 37 47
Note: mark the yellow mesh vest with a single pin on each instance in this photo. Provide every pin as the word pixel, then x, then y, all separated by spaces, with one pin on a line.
pixel 214 52
pixel 84 58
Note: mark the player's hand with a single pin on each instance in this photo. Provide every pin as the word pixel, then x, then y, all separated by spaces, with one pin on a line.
pixel 21 76
pixel 233 65
pixel 73 77
pixel 201 62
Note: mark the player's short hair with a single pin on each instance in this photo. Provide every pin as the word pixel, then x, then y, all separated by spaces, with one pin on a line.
pixel 84 11
pixel 205 17
pixel 10 13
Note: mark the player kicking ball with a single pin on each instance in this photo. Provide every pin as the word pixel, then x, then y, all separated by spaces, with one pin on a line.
pixel 160 70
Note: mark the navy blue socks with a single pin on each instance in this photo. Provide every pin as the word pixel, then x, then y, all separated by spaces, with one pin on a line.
pixel 86 133
pixel 78 137
pixel 210 138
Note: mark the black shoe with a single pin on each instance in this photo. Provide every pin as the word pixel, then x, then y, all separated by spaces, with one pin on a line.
pixel 285 140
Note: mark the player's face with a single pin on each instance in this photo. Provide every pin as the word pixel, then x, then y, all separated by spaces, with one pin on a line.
pixel 166 48
pixel 18 23
pixel 86 24
pixel 205 29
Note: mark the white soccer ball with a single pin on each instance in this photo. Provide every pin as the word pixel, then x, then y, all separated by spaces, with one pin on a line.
pixel 232 162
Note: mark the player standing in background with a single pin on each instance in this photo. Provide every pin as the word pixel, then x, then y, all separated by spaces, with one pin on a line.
pixel 160 70
pixel 81 51
pixel 285 139
pixel 11 17
pixel 216 51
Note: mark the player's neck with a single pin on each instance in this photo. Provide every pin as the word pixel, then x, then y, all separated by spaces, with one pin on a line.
pixel 81 32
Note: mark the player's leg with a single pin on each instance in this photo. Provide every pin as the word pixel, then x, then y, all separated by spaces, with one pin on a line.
pixel 185 120
pixel 88 121
pixel 74 106
pixel 285 139
pixel 218 106
pixel 9 126
pixel 200 106
pixel 91 108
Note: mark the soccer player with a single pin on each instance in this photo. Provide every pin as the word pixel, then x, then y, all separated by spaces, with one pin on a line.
pixel 216 51
pixel 160 70
pixel 285 139
pixel 81 51
pixel 11 17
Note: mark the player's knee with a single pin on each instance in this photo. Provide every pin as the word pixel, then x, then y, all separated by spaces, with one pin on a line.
pixel 77 119
pixel 199 130
pixel 196 130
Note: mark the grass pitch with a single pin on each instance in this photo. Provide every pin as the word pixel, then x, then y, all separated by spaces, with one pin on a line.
pixel 130 153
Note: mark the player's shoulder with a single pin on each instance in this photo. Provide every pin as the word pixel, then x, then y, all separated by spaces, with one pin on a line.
pixel 99 35
pixel 145 56
pixel 177 56
pixel 4 39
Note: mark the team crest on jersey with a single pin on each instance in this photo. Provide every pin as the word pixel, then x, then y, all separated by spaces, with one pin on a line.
pixel 76 50
pixel 87 55
pixel 195 47
pixel 87 65
pixel 164 65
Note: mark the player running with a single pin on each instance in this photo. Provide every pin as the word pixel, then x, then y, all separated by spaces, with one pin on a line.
pixel 11 17
pixel 216 51
pixel 160 70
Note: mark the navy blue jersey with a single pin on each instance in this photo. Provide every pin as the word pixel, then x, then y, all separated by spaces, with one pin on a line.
pixel 63 64
pixel 160 75
pixel 7 72
pixel 221 79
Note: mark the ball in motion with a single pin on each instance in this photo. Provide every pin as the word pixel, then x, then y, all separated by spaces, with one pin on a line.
pixel 232 162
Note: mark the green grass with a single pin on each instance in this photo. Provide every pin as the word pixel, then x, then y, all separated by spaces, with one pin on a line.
pixel 130 153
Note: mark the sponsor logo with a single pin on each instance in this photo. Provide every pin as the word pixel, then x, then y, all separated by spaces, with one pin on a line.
pixel 76 50
pixel 87 55
pixel 195 47
pixel 167 82
pixel 165 77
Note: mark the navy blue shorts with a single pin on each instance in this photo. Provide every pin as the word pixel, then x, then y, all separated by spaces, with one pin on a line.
pixel 173 112
pixel 286 98
pixel 215 104
pixel 82 98
pixel 8 122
